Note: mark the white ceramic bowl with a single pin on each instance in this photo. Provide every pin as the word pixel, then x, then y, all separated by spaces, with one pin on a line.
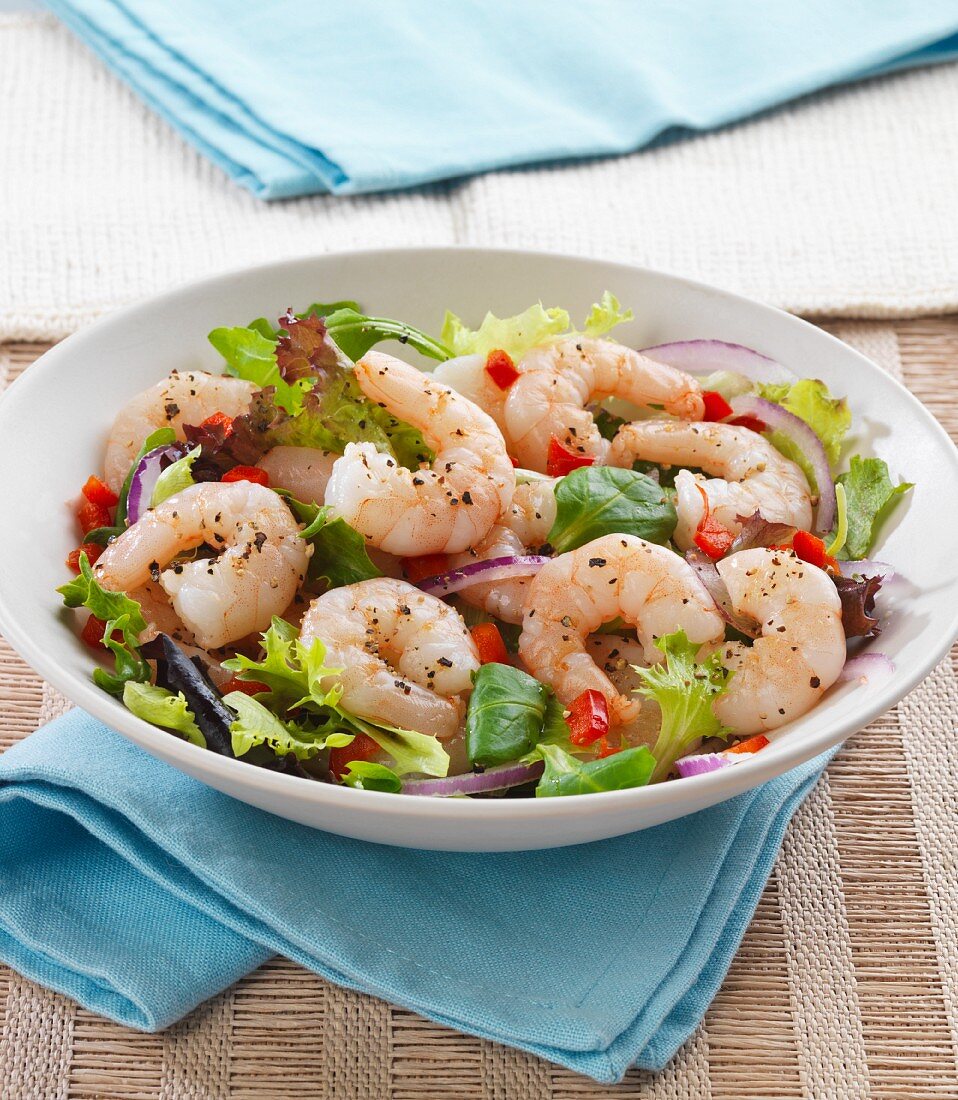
pixel 54 420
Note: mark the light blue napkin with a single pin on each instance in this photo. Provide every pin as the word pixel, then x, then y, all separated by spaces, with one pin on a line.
pixel 292 97
pixel 141 892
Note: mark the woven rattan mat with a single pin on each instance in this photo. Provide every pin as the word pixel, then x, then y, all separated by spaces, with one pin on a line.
pixel 846 984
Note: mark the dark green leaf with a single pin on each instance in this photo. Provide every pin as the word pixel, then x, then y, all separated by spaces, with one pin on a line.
pixel 339 551
pixel 368 776
pixel 355 333
pixel 601 500
pixel 564 774
pixel 505 715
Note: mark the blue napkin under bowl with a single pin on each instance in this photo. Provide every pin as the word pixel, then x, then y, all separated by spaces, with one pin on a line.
pixel 141 892
pixel 293 98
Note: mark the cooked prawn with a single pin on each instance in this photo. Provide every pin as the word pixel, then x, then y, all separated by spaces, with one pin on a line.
pixel 650 587
pixel 261 563
pixel 801 650
pixel 558 380
pixel 407 657
pixel 180 399
pixel 750 473
pixel 532 513
pixel 302 471
pixel 445 509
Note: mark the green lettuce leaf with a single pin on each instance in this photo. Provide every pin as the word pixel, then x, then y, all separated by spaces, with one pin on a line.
pixel 605 315
pixel 685 690
pixel 162 708
pixel 121 615
pixel 870 496
pixel 257 725
pixel 505 715
pixel 411 752
pixel 600 500
pixel 368 776
pixel 514 335
pixel 251 355
pixel 829 418
pixel 175 478
pixel 564 774
pixel 339 551
pixel 355 333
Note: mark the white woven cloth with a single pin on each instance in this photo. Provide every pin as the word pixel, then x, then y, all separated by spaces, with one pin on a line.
pixel 841 204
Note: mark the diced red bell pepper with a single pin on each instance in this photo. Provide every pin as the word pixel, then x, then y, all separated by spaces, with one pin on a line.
pixel 605 749
pixel 710 536
pixel 363 747
pixel 810 548
pixel 219 420
pixel 500 368
pixel 751 422
pixel 247 687
pixel 753 744
pixel 492 649
pixel 91 515
pixel 98 492
pixel 92 632
pixel 91 549
pixel 562 461
pixel 247 473
pixel 428 565
pixel 716 407
pixel 514 461
pixel 588 718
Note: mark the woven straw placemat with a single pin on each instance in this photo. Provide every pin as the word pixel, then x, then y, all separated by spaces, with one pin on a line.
pixel 845 987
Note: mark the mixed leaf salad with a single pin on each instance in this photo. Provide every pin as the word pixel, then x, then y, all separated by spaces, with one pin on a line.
pixel 277 701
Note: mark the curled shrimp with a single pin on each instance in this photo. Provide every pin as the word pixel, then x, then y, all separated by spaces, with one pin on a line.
pixel 302 471
pixel 650 587
pixel 801 650
pixel 445 509
pixel 407 657
pixel 527 524
pixel 557 380
pixel 260 564
pixel 180 399
pixel 750 473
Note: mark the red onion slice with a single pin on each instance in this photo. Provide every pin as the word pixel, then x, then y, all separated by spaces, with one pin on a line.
pixel 701 763
pixel 707 356
pixel 146 475
pixel 781 420
pixel 867 667
pixel 867 567
pixel 482 572
pixel 492 779
pixel 707 573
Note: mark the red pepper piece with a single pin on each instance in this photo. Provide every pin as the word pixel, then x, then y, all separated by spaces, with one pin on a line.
pixel 710 536
pixel 247 473
pixel 91 515
pixel 219 420
pixel 92 551
pixel 588 718
pixel 810 548
pixel 92 633
pixel 247 687
pixel 98 492
pixel 751 422
pixel 605 749
pixel 428 565
pixel 753 744
pixel 716 407
pixel 363 747
pixel 492 649
pixel 500 368
pixel 562 461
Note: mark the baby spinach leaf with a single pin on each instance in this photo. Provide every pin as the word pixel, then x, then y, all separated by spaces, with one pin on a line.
pixel 564 774
pixel 339 551
pixel 355 333
pixel 505 715
pixel 368 776
pixel 600 500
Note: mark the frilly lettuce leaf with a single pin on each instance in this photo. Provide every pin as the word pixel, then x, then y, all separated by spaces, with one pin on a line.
pixel 257 725
pixel 162 708
pixel 685 690
pixel 870 496
pixel 829 417
pixel 251 355
pixel 605 315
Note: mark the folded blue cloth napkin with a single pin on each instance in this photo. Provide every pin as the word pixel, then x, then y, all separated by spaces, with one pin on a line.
pixel 141 892
pixel 292 98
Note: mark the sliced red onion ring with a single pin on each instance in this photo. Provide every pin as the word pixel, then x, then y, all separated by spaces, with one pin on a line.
pixel 481 572
pixel 781 420
pixel 867 666
pixel 701 763
pixel 709 575
pixel 146 475
pixel 493 779
pixel 707 356
pixel 867 567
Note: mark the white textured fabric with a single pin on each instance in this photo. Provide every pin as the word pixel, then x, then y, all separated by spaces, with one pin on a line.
pixel 840 204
